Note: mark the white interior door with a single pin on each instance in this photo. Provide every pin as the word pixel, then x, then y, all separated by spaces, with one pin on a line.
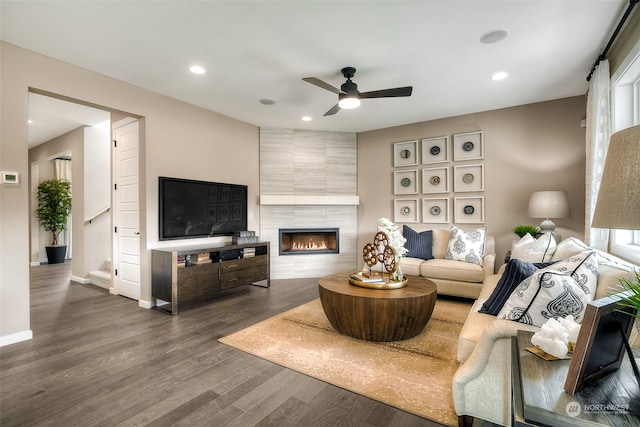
pixel 126 264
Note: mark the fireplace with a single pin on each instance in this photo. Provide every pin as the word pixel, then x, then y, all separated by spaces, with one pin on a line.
pixel 309 241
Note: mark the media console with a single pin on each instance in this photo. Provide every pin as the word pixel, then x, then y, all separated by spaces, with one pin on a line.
pixel 184 276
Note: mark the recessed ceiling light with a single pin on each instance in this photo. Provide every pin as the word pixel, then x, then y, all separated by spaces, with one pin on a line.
pixel 493 36
pixel 306 118
pixel 499 75
pixel 197 69
pixel 267 101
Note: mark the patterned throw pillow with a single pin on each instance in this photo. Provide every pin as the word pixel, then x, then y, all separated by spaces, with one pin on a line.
pixel 420 244
pixel 534 250
pixel 563 288
pixel 467 247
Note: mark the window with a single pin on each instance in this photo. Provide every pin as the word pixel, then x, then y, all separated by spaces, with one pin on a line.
pixel 625 89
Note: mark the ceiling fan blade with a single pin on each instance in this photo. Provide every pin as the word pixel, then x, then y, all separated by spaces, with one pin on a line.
pixel 332 111
pixel 388 93
pixel 323 85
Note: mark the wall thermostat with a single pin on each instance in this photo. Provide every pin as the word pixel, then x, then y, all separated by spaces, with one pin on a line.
pixel 9 177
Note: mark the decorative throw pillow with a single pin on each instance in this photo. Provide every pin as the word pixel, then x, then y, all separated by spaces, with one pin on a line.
pixel 420 244
pixel 534 250
pixel 514 273
pixel 563 288
pixel 467 247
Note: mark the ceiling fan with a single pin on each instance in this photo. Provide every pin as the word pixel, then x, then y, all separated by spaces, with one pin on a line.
pixel 348 95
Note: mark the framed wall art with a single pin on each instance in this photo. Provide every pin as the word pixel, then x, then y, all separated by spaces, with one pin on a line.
pixel 435 180
pixel 405 210
pixel 405 182
pixel 468 178
pixel 468 146
pixel 469 210
pixel 405 153
pixel 435 210
pixel 435 150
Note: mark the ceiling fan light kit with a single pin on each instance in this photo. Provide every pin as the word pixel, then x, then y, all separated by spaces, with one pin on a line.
pixel 348 102
pixel 348 95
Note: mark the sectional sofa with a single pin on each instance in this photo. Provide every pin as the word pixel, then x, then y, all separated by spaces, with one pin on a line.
pixel 482 383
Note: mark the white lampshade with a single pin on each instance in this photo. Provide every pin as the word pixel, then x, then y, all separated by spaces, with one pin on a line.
pixel 618 204
pixel 548 204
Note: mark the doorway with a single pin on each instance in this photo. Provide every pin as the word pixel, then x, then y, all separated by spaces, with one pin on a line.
pixel 82 134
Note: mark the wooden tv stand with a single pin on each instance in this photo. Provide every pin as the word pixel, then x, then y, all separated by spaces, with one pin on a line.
pixel 184 276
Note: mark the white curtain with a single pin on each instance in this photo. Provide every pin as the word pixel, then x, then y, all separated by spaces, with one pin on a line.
pixel 597 135
pixel 62 170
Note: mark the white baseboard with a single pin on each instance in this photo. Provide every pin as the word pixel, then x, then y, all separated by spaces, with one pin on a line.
pixel 81 280
pixel 15 338
pixel 34 263
pixel 113 291
pixel 145 304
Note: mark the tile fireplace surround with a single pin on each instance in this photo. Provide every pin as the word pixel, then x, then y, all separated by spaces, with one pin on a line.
pixel 308 179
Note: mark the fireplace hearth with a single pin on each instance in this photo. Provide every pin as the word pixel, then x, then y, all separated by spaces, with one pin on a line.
pixel 309 241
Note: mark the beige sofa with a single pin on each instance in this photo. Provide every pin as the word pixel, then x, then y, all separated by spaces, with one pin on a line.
pixel 455 278
pixel 482 383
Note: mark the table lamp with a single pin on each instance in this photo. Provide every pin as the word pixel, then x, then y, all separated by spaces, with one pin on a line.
pixel 618 204
pixel 548 204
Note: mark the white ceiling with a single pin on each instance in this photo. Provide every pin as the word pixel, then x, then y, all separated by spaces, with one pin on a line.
pixel 263 49
pixel 50 117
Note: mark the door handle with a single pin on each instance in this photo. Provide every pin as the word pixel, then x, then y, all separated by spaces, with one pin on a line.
pixel 137 233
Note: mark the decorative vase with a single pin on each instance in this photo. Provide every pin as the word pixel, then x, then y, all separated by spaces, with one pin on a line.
pixel 397 275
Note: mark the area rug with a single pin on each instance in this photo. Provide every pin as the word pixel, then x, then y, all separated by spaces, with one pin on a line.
pixel 413 375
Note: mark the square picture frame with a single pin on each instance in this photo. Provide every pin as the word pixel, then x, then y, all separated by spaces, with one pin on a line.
pixel 435 211
pixel 468 178
pixel 435 180
pixel 469 210
pixel 468 146
pixel 435 150
pixel 405 153
pixel 600 345
pixel 405 182
pixel 405 210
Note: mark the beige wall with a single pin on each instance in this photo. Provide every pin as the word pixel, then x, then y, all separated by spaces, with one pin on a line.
pixel 181 140
pixel 526 149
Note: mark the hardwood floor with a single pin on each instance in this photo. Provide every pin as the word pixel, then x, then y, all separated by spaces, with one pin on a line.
pixel 99 360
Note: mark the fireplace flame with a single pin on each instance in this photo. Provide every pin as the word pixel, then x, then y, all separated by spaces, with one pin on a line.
pixel 309 245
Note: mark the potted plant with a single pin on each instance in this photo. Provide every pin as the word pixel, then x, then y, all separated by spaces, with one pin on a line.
pixel 54 207
pixel 522 230
pixel 632 298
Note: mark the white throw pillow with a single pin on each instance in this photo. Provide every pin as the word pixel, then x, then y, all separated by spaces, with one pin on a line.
pixel 467 247
pixel 569 247
pixel 563 288
pixel 534 250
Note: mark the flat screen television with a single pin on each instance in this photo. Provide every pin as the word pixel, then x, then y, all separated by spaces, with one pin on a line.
pixel 194 209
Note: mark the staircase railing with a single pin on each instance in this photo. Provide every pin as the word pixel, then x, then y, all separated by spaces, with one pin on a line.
pixel 100 212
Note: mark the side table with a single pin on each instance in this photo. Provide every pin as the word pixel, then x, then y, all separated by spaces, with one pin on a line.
pixel 539 397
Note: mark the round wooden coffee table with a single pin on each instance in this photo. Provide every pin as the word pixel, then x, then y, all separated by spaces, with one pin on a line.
pixel 377 314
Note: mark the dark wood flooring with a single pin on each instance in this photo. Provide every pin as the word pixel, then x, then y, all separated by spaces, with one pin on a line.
pixel 99 360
